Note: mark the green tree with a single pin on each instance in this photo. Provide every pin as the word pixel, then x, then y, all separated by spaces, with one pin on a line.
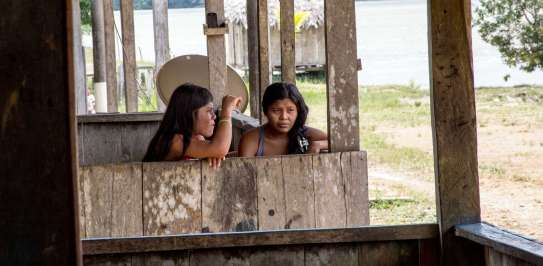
pixel 515 27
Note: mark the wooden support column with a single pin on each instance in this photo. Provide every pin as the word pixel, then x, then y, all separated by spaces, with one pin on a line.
pixel 216 52
pixel 38 158
pixel 162 46
pixel 341 75
pixel 288 58
pixel 80 81
pixel 263 49
pixel 111 59
pixel 129 56
pixel 253 48
pixel 454 127
pixel 99 55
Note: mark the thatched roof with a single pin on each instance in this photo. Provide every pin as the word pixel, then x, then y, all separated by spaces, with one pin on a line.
pixel 235 12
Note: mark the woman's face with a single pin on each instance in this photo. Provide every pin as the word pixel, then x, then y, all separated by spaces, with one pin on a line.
pixel 282 114
pixel 204 120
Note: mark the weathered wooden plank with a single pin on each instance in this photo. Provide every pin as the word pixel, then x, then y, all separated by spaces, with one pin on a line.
pixel 273 256
pixel 162 46
pixel 260 238
pixel 177 258
pixel 80 82
pixel 216 53
pixel 454 126
pixel 99 144
pixel 114 118
pixel 389 253
pixel 263 50
pixel 229 196
pixel 83 171
pixel 429 252
pixel 502 241
pixel 496 258
pixel 98 41
pixel 135 138
pixel 288 58
pixel 111 60
pixel 172 198
pixel 299 191
pixel 227 257
pixel 338 254
pixel 253 61
pixel 97 195
pixel 341 75
pixel 271 193
pixel 354 168
pixel 330 205
pixel 111 260
pixel 126 200
pixel 129 55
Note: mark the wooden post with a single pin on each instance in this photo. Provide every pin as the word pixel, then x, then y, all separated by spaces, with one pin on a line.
pixel 80 81
pixel 38 158
pixel 99 55
pixel 253 48
pixel 111 59
pixel 263 50
pixel 216 52
pixel 341 75
pixel 454 127
pixel 129 56
pixel 288 58
pixel 162 46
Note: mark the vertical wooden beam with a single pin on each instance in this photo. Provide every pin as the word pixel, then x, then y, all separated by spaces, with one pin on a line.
pixel 341 75
pixel 454 127
pixel 162 46
pixel 38 210
pixel 79 62
pixel 129 55
pixel 216 52
pixel 253 48
pixel 111 59
pixel 263 49
pixel 288 59
pixel 99 55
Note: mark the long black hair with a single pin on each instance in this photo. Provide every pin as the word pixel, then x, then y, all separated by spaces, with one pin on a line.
pixel 284 90
pixel 178 119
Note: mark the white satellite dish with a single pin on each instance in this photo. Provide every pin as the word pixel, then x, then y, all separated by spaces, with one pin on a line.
pixel 194 69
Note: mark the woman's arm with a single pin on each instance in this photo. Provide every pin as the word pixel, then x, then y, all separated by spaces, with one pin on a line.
pixel 318 140
pixel 248 145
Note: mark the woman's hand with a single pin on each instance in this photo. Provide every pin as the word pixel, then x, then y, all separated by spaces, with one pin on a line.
pixel 317 146
pixel 229 103
pixel 215 163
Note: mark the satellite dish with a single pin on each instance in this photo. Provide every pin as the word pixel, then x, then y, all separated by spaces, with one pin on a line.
pixel 195 69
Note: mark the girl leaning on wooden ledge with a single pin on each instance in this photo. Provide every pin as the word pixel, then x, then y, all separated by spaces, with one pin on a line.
pixel 190 119
pixel 285 132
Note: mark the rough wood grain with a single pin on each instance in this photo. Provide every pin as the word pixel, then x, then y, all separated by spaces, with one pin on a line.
pixel 330 205
pixel 111 60
pixel 338 254
pixel 271 194
pixel 161 259
pixel 354 168
pixel 126 200
pixel 229 196
pixel 288 58
pixel 389 253
pixel 83 171
pixel 429 252
pixel 227 257
pixel 274 256
pixel 129 55
pixel 496 258
pixel 299 191
pixel 263 52
pixel 162 46
pixel 454 126
pixel 172 198
pixel 80 82
pixel 115 118
pixel 341 75
pixel 216 53
pixel 135 138
pixel 98 50
pixel 253 61
pixel 109 260
pixel 99 144
pixel 97 195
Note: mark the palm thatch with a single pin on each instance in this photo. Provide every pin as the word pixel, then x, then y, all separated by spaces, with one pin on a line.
pixel 235 12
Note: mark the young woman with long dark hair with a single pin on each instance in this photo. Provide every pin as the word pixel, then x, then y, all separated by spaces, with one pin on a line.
pixel 190 119
pixel 285 132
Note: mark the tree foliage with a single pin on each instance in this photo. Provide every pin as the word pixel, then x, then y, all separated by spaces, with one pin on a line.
pixel 515 27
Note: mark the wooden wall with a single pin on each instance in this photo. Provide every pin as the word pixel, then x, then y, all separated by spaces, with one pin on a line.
pixel 244 194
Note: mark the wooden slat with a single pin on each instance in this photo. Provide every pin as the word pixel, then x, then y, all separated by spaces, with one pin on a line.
pixel 288 59
pixel 260 238
pixel 340 255
pixel 126 200
pixel 496 258
pixel 253 61
pixel 99 144
pixel 119 260
pixel 97 194
pixel 271 193
pixel 330 205
pixel 389 253
pixel 354 168
pixel 299 191
pixel 172 198
pixel 219 257
pixel 263 50
pixel 216 53
pixel 129 55
pixel 98 41
pixel 341 75
pixel 503 241
pixel 429 252
pixel 274 256
pixel 135 139
pixel 229 196
pixel 162 46
pixel 161 259
pixel 80 82
pixel 454 126
pixel 111 60
pixel 113 118
pixel 83 171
